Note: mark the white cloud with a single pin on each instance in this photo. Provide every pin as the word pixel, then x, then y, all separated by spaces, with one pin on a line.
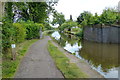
pixel 74 8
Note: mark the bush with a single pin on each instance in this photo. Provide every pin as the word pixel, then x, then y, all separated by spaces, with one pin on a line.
pixel 12 33
pixel 32 29
pixel 20 32
pixel 108 16
pixel 8 34
pixel 17 32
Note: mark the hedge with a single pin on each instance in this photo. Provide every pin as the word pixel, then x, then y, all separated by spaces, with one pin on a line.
pixel 18 32
pixel 32 29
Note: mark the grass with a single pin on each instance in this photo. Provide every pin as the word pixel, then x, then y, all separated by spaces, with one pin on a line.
pixel 9 66
pixel 69 70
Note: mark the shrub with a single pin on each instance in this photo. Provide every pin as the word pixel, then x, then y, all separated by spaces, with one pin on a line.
pixel 32 29
pixel 108 16
pixel 8 32
pixel 17 32
pixel 20 32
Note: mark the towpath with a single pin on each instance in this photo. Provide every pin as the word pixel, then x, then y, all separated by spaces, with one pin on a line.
pixel 38 63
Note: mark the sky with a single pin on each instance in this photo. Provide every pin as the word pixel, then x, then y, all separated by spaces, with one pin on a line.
pixel 75 7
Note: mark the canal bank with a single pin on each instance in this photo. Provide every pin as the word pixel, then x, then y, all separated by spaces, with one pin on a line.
pixel 84 67
pixel 102 58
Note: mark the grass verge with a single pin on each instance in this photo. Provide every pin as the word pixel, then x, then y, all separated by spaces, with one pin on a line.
pixel 70 70
pixel 9 66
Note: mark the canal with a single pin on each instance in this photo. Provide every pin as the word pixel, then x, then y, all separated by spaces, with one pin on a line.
pixel 101 57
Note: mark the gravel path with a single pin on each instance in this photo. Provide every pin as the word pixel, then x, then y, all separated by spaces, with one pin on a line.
pixel 37 63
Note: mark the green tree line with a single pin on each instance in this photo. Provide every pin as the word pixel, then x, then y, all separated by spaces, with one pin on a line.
pixel 34 16
pixel 109 16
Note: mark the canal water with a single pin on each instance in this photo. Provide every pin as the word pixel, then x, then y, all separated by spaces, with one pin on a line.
pixel 102 57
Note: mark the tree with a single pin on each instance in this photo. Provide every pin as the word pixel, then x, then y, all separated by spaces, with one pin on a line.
pixel 47 26
pixel 23 7
pixel 34 11
pixel 8 9
pixel 84 18
pixel 58 18
pixel 67 25
pixel 37 11
pixel 51 6
pixel 96 19
pixel 108 16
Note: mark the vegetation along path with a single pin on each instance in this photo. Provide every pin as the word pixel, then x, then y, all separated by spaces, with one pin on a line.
pixel 37 63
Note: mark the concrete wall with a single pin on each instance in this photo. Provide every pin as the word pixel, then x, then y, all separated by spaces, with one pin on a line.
pixel 104 34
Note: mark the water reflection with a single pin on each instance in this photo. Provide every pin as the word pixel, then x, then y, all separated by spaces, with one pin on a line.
pixel 56 35
pixel 73 49
pixel 102 57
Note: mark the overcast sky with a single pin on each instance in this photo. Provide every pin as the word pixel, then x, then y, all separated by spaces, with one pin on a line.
pixel 75 7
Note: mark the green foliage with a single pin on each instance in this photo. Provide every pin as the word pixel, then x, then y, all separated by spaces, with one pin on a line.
pixel 84 23
pixel 108 16
pixel 80 33
pixel 58 18
pixel 32 29
pixel 84 16
pixel 20 32
pixel 37 11
pixel 97 19
pixel 8 35
pixel 17 32
pixel 67 25
pixel 12 33
pixel 118 18
pixel 34 11
pixel 70 70
pixel 47 26
pixel 22 7
pixel 75 30
pixel 9 67
pixel 9 13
